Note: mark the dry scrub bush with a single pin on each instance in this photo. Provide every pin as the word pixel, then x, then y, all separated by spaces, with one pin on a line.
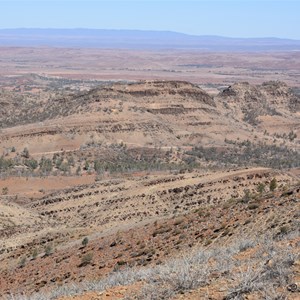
pixel 245 244
pixel 266 272
pixel 178 276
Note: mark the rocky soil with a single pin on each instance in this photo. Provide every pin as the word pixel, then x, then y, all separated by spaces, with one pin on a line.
pixel 138 170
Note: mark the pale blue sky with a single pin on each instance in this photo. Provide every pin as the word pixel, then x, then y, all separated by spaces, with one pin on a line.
pixel 243 18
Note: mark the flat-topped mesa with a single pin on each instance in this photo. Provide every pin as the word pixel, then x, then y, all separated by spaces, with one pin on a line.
pixel 158 88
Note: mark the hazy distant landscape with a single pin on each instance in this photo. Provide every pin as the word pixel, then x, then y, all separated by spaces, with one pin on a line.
pixel 139 39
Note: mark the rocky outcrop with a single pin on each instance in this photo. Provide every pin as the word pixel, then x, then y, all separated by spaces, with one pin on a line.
pixel 271 98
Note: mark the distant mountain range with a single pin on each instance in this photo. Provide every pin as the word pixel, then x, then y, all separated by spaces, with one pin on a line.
pixel 139 39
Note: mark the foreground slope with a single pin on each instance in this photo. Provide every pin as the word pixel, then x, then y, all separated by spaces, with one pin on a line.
pixel 266 225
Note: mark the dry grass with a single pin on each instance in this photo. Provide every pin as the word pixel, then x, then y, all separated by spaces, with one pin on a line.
pixel 266 273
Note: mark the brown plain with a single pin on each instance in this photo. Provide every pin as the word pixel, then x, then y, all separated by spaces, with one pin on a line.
pixel 193 66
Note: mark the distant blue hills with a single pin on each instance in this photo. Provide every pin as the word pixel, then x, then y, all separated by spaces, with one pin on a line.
pixel 138 39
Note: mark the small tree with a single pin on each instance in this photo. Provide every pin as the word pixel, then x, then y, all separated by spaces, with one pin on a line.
pixel 22 262
pixel 48 250
pixel 86 165
pixel 78 170
pixel 292 135
pixel 25 153
pixel 45 165
pixel 85 241
pixel 273 185
pixel 5 190
pixel 97 166
pixel 31 163
pixel 71 161
pixel 34 253
pixel 64 167
pixel 261 188
pixel 247 196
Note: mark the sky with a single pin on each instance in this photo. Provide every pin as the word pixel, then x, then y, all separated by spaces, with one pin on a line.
pixel 243 18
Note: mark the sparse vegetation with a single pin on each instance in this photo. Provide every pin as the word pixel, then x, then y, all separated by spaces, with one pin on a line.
pixel 5 190
pixel 34 254
pixel 261 188
pixel 25 153
pixel 31 163
pixel 22 262
pixel 266 275
pixel 273 185
pixel 48 250
pixel 247 196
pixel 249 154
pixel 85 241
pixel 6 164
pixel 86 259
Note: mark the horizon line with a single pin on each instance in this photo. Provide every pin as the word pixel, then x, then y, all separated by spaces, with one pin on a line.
pixel 148 30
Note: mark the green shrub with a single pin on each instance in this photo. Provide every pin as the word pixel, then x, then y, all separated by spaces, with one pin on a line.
pixel 284 229
pixel 5 190
pixel 86 259
pixel 31 163
pixel 261 187
pixel 85 241
pixel 46 165
pixel 48 250
pixel 253 206
pixel 25 153
pixel 22 262
pixel 273 185
pixel 34 254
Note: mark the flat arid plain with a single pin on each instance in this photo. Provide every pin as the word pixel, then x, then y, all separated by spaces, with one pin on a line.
pixel 200 67
pixel 149 174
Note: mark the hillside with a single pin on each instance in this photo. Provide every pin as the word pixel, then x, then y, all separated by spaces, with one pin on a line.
pixel 254 103
pixel 120 183
pixel 188 216
pixel 158 103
